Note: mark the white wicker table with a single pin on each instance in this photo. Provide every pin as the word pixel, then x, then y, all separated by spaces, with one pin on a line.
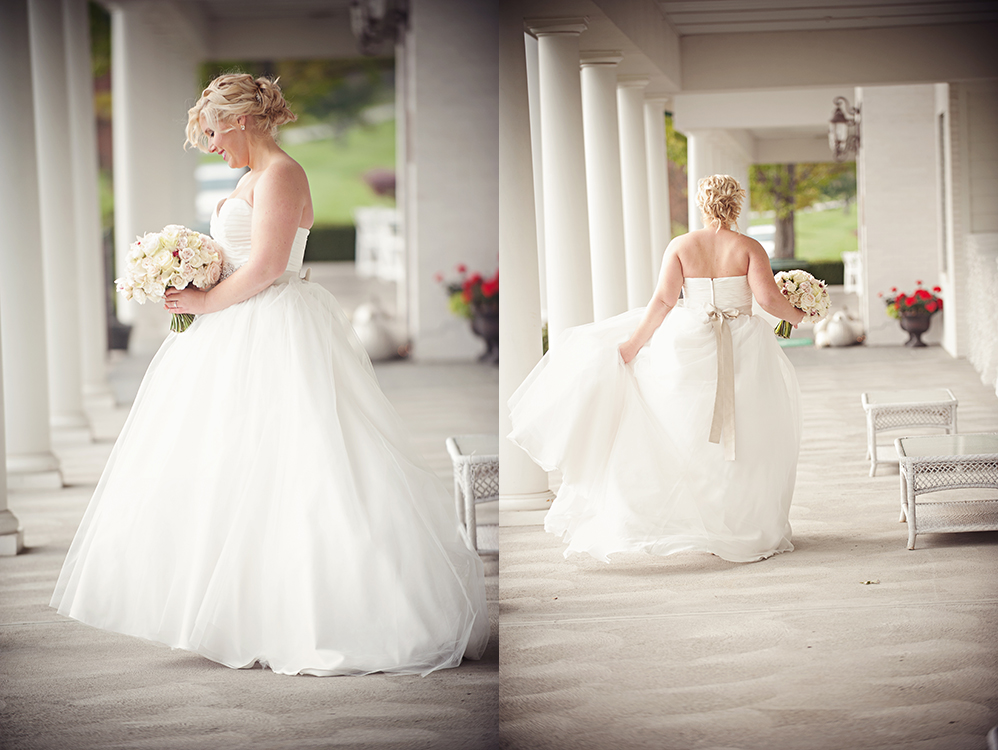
pixel 933 463
pixel 476 476
pixel 900 410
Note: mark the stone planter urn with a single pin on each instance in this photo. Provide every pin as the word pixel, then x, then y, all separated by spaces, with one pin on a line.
pixel 485 323
pixel 915 324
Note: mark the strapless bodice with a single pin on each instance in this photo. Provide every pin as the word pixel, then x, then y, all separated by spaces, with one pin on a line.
pixel 232 226
pixel 723 293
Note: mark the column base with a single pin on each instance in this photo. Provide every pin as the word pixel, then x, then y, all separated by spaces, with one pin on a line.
pixel 98 397
pixel 526 501
pixel 11 544
pixel 35 471
pixel 68 420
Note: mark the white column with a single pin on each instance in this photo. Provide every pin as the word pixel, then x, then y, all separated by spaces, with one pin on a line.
pixel 537 159
pixel 58 214
pixel 90 253
pixel 634 175
pixel 898 207
pixel 30 462
pixel 522 484
pixel 566 227
pixel 153 175
pixel 606 206
pixel 11 536
pixel 699 164
pixel 658 179
pixel 402 191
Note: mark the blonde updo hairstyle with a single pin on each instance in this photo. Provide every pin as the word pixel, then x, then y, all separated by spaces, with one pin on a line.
pixel 720 199
pixel 234 95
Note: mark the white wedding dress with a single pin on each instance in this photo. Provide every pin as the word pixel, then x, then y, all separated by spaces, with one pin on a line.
pixel 264 504
pixel 632 441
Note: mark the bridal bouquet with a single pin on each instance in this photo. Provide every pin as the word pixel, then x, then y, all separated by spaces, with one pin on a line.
pixel 806 293
pixel 175 257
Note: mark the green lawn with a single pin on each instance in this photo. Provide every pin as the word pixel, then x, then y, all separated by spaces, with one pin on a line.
pixel 335 169
pixel 823 235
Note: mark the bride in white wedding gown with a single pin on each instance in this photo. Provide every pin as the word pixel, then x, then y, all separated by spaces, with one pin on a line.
pixel 263 503
pixel 676 426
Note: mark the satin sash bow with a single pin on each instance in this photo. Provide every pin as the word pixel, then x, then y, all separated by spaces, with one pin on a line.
pixel 723 422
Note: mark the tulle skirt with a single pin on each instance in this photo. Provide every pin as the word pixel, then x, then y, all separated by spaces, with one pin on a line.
pixel 264 504
pixel 632 440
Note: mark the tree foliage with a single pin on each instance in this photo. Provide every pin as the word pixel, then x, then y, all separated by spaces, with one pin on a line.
pixel 786 188
pixel 322 91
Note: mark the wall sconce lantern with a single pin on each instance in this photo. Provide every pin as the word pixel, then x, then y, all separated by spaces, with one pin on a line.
pixel 377 22
pixel 843 129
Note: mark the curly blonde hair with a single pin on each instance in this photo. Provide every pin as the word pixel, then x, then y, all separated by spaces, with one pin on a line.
pixel 720 199
pixel 234 95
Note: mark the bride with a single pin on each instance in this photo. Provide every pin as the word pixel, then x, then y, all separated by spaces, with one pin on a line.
pixel 676 426
pixel 263 503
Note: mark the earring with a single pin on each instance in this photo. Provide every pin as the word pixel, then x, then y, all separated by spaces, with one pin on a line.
pixel 242 127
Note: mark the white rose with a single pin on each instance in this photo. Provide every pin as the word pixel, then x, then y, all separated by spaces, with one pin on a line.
pixel 138 295
pixel 187 254
pixel 214 272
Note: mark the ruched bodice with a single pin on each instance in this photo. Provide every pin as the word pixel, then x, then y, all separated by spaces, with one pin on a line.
pixel 232 226
pixel 723 293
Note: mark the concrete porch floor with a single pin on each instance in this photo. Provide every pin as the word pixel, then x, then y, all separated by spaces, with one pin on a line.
pixel 795 652
pixel 66 686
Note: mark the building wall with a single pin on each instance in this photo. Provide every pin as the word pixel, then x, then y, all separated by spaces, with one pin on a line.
pixel 898 199
pixel 454 136
pixel 978 248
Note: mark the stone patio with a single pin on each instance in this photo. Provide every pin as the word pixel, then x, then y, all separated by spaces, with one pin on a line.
pixel 850 641
pixel 66 686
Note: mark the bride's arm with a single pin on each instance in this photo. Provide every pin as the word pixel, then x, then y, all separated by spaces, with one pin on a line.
pixel 763 285
pixel 670 282
pixel 279 197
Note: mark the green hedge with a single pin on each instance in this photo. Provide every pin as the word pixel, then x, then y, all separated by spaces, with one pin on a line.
pixel 331 243
pixel 832 272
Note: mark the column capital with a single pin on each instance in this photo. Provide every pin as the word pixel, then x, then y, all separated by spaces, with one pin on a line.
pixel 556 26
pixel 600 57
pixel 632 81
pixel 657 99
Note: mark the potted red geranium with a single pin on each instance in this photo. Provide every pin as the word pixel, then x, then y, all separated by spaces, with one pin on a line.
pixel 914 311
pixel 476 298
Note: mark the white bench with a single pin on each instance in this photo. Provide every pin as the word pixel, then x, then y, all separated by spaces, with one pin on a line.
pixel 476 476
pixel 933 463
pixel 899 410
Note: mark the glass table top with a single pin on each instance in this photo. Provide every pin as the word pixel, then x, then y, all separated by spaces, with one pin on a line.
pixel 921 396
pixel 972 444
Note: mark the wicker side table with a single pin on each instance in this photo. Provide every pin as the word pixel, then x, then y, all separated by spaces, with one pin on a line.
pixel 476 476
pixel 898 410
pixel 933 463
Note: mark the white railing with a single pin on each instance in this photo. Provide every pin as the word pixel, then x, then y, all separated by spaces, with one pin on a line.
pixel 852 279
pixel 380 249
pixel 982 281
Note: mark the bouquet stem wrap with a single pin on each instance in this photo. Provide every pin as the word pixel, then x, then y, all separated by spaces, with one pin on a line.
pixel 180 323
pixel 783 329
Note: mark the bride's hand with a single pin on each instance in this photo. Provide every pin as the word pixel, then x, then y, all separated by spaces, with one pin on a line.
pixel 627 353
pixel 191 300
